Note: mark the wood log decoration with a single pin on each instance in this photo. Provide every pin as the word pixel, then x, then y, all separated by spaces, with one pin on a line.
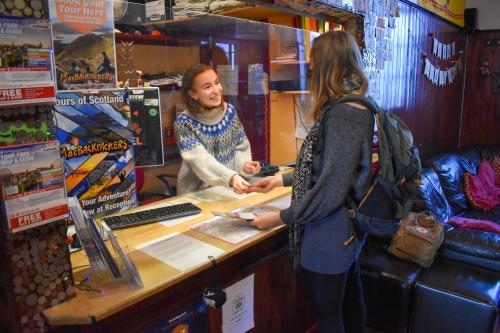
pixel 38 275
pixel 22 8
pixel 27 124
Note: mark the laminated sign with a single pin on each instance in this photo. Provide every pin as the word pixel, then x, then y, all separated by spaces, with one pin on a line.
pixel 83 34
pixel 32 182
pixel 25 62
pixel 94 130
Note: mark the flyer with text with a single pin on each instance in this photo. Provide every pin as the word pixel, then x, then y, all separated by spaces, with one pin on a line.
pixel 32 184
pixel 25 62
pixel 83 35
pixel 94 130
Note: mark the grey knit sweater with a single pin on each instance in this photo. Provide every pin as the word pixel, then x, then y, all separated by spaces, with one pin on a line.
pixel 341 161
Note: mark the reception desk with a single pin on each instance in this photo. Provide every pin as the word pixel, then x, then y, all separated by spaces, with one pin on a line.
pixel 279 304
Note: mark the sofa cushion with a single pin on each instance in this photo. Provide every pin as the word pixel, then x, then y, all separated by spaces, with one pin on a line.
pixel 471 158
pixel 430 196
pixel 480 190
pixel 491 215
pixel 479 248
pixel 495 164
pixel 382 275
pixel 489 153
pixel 450 168
pixel 456 297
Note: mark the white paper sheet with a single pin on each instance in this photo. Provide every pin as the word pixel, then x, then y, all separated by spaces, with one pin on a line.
pixel 227 229
pixel 172 222
pixel 182 200
pixel 180 251
pixel 237 312
pixel 281 203
pixel 226 192
pixel 204 196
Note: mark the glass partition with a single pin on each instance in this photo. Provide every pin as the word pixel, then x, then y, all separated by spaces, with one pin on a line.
pixel 261 66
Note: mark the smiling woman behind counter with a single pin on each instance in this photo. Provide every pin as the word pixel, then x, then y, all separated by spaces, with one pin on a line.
pixel 214 147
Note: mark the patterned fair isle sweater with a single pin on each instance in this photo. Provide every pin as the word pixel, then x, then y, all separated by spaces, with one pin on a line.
pixel 213 147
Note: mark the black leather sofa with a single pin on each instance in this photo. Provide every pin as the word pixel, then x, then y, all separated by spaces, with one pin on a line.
pixel 460 292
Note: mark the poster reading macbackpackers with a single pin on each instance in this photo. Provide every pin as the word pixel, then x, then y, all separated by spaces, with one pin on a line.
pixel 95 133
pixel 32 185
pixel 82 31
pixel 25 62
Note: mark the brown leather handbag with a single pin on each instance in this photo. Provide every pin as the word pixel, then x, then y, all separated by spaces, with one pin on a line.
pixel 418 239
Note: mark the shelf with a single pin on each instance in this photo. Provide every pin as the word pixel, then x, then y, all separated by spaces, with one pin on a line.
pixel 166 87
pixel 254 13
pixel 148 39
pixel 288 62
pixel 291 92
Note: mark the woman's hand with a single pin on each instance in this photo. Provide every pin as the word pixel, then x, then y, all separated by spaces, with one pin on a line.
pixel 265 185
pixel 252 167
pixel 239 184
pixel 267 221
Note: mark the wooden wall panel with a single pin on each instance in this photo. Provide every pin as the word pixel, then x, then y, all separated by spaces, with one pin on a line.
pixel 431 112
pixel 481 115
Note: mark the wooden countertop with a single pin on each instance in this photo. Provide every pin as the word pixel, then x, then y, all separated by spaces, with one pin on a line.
pixel 114 297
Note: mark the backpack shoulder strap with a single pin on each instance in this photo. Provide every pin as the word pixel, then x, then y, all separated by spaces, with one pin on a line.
pixel 366 101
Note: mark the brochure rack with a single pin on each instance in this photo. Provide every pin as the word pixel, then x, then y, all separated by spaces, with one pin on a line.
pixel 36 269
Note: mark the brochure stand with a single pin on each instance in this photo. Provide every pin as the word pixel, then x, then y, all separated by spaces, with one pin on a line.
pixel 101 260
pixel 36 269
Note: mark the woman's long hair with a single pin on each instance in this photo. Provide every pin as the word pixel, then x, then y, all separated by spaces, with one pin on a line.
pixel 187 85
pixel 335 58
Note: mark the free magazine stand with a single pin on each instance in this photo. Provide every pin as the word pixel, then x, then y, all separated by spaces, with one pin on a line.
pixel 120 267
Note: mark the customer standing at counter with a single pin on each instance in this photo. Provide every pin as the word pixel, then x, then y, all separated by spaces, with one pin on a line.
pixel 213 144
pixel 334 160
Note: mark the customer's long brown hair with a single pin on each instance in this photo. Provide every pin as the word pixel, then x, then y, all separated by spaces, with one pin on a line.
pixel 334 57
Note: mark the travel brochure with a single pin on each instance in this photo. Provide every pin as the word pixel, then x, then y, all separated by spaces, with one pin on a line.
pixel 32 185
pixel 232 226
pixel 83 34
pixel 25 62
pixel 95 133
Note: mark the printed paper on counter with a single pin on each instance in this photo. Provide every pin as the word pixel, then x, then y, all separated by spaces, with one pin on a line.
pixel 226 192
pixel 179 220
pixel 281 203
pixel 180 251
pixel 230 230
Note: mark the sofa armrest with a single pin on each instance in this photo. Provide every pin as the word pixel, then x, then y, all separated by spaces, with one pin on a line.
pixel 479 248
pixel 430 196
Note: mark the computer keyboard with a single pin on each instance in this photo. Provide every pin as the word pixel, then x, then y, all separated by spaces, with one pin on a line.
pixel 151 216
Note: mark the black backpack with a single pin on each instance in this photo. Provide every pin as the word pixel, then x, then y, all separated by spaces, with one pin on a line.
pixel 390 197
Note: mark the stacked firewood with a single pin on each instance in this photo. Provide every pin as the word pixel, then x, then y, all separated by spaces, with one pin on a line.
pixel 38 275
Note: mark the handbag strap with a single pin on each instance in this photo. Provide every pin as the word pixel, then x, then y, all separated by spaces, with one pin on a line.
pixel 426 219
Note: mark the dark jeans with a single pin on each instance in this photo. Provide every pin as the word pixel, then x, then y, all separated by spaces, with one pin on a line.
pixel 337 300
